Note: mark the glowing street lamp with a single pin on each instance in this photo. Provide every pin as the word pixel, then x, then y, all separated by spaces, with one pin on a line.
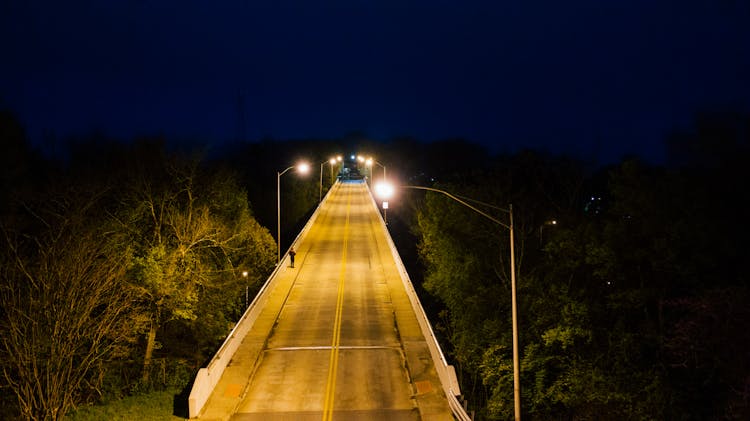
pixel 364 160
pixel 244 275
pixel 552 222
pixel 338 160
pixel 386 190
pixel 371 161
pixel 333 162
pixel 302 168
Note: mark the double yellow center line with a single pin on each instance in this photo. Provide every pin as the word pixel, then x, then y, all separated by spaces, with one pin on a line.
pixel 336 341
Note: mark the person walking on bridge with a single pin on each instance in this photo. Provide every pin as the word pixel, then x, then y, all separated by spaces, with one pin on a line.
pixel 291 256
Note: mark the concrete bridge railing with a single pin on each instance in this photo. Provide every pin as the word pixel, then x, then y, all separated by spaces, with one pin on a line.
pixel 445 371
pixel 207 377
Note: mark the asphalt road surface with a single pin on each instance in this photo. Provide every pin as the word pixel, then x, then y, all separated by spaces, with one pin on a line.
pixel 345 344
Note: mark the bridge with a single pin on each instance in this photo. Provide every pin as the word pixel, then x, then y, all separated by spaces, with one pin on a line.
pixel 341 336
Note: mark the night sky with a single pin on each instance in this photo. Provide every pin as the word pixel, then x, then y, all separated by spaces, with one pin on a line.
pixel 589 77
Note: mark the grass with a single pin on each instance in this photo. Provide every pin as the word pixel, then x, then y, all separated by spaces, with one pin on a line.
pixel 154 406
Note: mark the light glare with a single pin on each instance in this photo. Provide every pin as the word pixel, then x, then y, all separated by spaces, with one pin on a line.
pixel 384 190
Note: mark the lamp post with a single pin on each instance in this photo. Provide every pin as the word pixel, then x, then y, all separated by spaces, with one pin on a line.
pixel 368 164
pixel 386 190
pixel 541 229
pixel 320 190
pixel 361 159
pixel 331 161
pixel 339 160
pixel 386 194
pixel 244 275
pixel 371 161
pixel 303 168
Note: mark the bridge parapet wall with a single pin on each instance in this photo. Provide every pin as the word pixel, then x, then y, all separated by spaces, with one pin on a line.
pixel 446 372
pixel 207 377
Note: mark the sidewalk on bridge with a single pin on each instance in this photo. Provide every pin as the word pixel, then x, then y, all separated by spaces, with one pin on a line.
pixel 229 391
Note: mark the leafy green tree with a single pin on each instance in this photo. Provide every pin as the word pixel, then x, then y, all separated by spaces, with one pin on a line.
pixel 192 231
pixel 570 311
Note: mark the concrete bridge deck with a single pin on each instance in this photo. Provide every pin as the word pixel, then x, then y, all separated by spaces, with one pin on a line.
pixel 336 337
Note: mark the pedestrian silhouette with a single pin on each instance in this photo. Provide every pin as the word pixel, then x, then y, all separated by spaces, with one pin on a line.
pixel 291 256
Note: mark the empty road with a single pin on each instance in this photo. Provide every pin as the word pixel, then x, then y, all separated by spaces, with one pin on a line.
pixel 344 343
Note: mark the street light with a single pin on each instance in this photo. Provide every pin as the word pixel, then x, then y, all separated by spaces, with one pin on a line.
pixel 244 275
pixel 331 161
pixel 371 161
pixel 541 229
pixel 361 159
pixel 302 168
pixel 387 190
pixel 340 161
pixel 368 164
pixel 384 190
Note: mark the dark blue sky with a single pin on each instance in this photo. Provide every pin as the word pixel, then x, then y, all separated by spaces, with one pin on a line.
pixel 590 77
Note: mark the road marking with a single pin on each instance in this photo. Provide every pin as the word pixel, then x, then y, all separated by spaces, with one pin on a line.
pixel 336 341
pixel 324 348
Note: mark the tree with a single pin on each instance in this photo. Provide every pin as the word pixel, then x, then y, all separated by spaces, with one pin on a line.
pixel 67 311
pixel 191 231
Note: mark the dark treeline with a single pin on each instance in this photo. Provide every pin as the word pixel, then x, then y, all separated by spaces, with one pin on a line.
pixel 122 269
pixel 632 303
